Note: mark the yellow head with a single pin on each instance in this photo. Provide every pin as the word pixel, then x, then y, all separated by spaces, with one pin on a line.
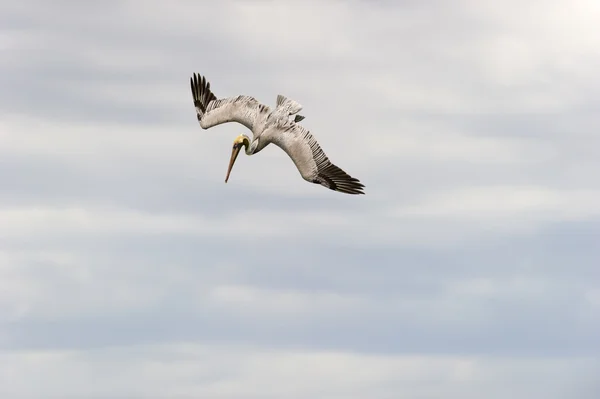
pixel 238 142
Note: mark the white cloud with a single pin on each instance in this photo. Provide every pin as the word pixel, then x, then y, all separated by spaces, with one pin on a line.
pixel 101 221
pixel 282 302
pixel 433 142
pixel 511 204
pixel 226 371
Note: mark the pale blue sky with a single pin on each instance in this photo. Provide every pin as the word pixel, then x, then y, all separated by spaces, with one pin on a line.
pixel 129 269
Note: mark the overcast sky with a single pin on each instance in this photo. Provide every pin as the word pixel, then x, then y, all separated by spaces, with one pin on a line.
pixel 129 269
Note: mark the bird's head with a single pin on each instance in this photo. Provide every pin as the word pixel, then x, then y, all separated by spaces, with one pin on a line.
pixel 240 141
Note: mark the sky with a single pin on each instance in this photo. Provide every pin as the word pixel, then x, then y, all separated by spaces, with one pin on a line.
pixel 129 269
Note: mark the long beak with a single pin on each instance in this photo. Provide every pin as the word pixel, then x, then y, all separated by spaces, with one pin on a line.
pixel 234 153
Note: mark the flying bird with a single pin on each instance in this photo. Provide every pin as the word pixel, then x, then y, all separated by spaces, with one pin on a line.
pixel 271 126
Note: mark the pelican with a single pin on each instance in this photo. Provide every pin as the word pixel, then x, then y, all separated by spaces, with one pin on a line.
pixel 271 126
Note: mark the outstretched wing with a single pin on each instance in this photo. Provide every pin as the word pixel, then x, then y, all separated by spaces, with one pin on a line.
pixel 310 159
pixel 212 111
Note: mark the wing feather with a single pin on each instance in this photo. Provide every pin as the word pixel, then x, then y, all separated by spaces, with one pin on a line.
pixel 211 111
pixel 311 161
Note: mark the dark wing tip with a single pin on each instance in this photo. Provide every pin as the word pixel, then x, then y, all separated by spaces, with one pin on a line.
pixel 201 93
pixel 328 174
pixel 336 179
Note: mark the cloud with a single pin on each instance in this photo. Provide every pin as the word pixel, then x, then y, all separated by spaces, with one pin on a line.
pixel 231 371
pixel 128 268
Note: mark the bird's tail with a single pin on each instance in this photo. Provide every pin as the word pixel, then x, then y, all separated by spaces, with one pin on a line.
pixel 292 107
pixel 201 93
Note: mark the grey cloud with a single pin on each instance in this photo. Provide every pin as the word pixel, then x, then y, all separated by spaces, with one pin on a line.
pixel 406 309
